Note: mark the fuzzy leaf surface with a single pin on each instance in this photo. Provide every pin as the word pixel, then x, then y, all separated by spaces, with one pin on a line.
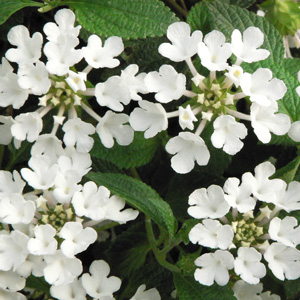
pixel 127 19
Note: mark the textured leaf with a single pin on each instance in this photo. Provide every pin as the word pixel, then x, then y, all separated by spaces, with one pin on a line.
pixel 139 195
pixel 288 172
pixel 128 251
pixel 189 289
pixel 37 283
pixel 138 153
pixel 226 18
pixel 241 3
pixel 292 288
pixel 8 7
pixel 198 18
pixel 152 275
pixel 127 19
pixel 292 65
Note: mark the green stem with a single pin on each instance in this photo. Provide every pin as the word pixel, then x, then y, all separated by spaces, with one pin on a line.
pixel 161 258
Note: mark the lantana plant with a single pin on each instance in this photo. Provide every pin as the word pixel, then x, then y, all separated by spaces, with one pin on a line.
pixel 149 150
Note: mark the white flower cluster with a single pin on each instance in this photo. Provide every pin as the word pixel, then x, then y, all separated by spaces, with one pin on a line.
pixel 242 222
pixel 42 230
pixel 61 88
pixel 213 98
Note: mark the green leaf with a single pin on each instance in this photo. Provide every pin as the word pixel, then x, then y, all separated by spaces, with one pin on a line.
pixel 288 172
pixel 198 18
pixel 37 283
pixel 292 65
pixel 187 262
pixel 292 288
pixel 137 154
pixel 129 250
pixel 127 19
pixel 242 3
pixel 189 289
pixel 140 196
pixel 8 7
pixel 226 18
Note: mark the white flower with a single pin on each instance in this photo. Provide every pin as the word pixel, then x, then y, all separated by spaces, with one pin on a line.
pixel 235 73
pixel 184 45
pixel 261 88
pixel 214 52
pixel 77 132
pixel 208 203
pixel 43 174
pixel 11 281
pixel 97 205
pixel 27 126
pixel 246 291
pixel 264 121
pixel 263 188
pixel 187 148
pixel 246 49
pixel 11 93
pixel 135 84
pixel 167 84
pixel 76 239
pixel 186 117
pixel 13 249
pixel 289 199
pixel 284 261
pixel 35 78
pixel 294 131
pixel 141 294
pixel 112 93
pixel 99 56
pixel 113 210
pixel 211 233
pixel 238 196
pixel 284 231
pixel 65 20
pixel 61 270
pixel 214 267
pixel 15 209
pixel 248 265
pixel 44 241
pixel 62 54
pixel 99 285
pixel 5 133
pixel 76 81
pixel 28 49
pixel 112 126
pixel 11 183
pixel 71 291
pixel 7 295
pixel 48 145
pixel 150 117
pixel 90 201
pixel 227 134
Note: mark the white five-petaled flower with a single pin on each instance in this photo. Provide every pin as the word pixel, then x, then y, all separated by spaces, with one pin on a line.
pixel 246 49
pixel 184 45
pixel 187 148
